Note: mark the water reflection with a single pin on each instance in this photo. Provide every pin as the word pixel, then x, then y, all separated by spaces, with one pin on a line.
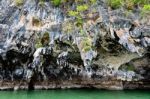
pixel 76 94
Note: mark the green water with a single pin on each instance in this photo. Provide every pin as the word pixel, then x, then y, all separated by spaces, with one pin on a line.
pixel 75 94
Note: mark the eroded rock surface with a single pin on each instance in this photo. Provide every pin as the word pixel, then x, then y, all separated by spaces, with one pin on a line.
pixel 41 47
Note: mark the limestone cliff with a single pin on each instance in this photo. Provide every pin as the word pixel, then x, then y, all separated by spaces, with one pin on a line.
pixel 48 44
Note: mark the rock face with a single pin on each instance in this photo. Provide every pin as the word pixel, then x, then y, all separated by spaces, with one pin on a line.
pixel 44 47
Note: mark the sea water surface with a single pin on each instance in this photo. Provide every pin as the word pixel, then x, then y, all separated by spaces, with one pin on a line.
pixel 76 94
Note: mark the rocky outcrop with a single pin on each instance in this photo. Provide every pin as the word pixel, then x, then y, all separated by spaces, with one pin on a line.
pixel 44 47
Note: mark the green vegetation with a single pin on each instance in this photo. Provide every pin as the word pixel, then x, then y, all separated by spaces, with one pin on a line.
pixel 86 44
pixel 146 7
pixel 78 12
pixel 56 2
pixel 93 1
pixel 79 22
pixel 141 2
pixel 145 10
pixel 129 4
pixel 81 8
pixel 114 3
pixel 73 13
pixel 38 43
pixel 19 2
